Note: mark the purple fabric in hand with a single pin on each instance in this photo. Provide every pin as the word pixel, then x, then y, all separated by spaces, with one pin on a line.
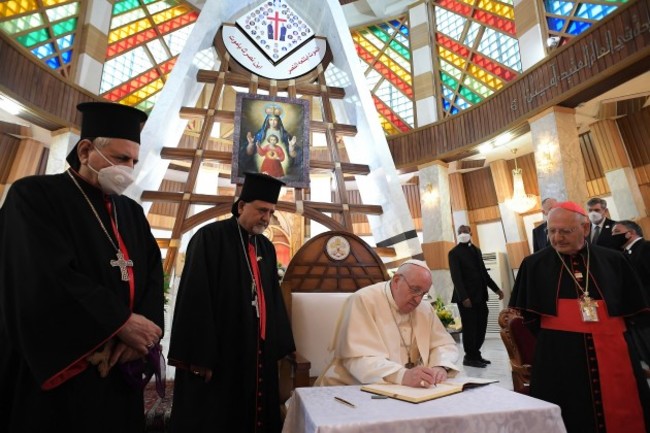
pixel 139 372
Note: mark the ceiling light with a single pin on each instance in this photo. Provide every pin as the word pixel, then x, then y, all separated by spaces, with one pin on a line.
pixel 9 106
pixel 520 202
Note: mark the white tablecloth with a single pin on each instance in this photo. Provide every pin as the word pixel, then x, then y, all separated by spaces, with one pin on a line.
pixel 487 409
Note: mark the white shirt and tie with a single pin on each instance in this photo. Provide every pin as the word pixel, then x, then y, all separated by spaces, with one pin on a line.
pixel 595 232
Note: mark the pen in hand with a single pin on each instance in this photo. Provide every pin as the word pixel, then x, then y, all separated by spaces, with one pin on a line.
pixel 340 400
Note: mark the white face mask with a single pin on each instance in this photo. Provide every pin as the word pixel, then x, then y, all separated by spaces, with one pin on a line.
pixel 463 238
pixel 114 179
pixel 595 217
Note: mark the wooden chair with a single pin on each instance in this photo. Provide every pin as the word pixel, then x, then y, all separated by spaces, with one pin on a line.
pixel 318 280
pixel 520 344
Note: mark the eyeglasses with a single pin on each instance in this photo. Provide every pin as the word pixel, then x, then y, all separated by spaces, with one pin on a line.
pixel 561 232
pixel 415 291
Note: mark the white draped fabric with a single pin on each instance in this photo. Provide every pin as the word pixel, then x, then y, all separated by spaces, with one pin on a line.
pixel 488 409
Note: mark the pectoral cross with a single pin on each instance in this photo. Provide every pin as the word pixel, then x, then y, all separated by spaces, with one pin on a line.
pixel 254 301
pixel 122 264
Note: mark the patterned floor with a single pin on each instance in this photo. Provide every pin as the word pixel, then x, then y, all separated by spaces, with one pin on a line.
pixel 494 350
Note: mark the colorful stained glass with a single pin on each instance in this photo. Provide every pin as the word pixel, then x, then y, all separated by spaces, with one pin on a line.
pixel 577 27
pixel 384 50
pixel 449 23
pixel 145 39
pixel 557 7
pixel 569 18
pixel 34 25
pixel 477 50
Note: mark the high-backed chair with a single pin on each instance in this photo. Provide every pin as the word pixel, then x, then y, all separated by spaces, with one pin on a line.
pixel 320 277
pixel 520 344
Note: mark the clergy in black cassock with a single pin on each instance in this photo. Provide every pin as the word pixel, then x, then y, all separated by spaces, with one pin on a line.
pixel 61 297
pixel 230 324
pixel 628 236
pixel 583 360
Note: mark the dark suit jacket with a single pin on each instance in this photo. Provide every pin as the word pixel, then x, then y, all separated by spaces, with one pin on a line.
pixel 540 239
pixel 639 256
pixel 469 274
pixel 605 236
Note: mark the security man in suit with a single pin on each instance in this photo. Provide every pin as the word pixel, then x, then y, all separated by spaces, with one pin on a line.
pixel 601 225
pixel 471 278
pixel 540 238
pixel 628 236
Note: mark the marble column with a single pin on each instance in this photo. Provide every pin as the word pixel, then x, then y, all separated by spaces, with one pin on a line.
pixel 437 226
pixel 61 144
pixel 558 160
pixel 619 173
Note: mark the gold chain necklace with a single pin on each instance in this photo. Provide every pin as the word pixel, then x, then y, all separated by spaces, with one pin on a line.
pixel 588 306
pixel 409 364
pixel 120 262
pixel 585 291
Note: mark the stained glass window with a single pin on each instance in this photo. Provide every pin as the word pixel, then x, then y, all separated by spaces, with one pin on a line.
pixel 385 53
pixel 478 52
pixel 144 41
pixel 569 18
pixel 47 29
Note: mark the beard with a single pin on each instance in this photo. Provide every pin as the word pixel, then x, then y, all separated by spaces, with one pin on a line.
pixel 258 229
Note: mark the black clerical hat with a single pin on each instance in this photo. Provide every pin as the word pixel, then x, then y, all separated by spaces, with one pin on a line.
pixel 259 186
pixel 110 120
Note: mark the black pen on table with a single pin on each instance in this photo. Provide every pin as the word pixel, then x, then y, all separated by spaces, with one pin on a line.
pixel 340 400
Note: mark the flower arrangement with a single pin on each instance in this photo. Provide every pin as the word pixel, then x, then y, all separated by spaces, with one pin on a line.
pixel 445 316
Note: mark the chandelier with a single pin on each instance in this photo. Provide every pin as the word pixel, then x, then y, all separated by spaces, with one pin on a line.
pixel 520 202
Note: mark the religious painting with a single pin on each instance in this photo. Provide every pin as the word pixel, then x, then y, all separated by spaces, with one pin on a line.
pixel 271 136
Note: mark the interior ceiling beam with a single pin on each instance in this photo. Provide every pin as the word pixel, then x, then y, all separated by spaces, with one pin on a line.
pixel 241 80
pixel 223 116
pixel 184 154
pixel 207 199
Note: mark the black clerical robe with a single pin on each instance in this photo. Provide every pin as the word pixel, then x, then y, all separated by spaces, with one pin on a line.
pixel 569 368
pixel 215 326
pixel 60 299
pixel 639 256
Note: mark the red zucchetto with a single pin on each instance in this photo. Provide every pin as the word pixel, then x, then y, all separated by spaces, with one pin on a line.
pixel 572 206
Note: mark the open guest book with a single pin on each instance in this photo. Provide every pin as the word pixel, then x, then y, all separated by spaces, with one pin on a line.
pixel 418 395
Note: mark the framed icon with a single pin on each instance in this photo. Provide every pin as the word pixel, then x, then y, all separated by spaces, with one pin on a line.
pixel 271 136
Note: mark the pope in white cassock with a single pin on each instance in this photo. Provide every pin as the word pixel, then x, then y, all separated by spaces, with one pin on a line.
pixel 386 334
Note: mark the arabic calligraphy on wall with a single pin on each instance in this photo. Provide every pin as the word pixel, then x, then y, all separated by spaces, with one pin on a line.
pixel 581 61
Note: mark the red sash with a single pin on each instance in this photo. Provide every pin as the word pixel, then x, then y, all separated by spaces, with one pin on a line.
pixel 621 403
pixel 261 303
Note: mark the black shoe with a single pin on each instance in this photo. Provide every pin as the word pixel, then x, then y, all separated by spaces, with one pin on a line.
pixel 485 361
pixel 474 363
